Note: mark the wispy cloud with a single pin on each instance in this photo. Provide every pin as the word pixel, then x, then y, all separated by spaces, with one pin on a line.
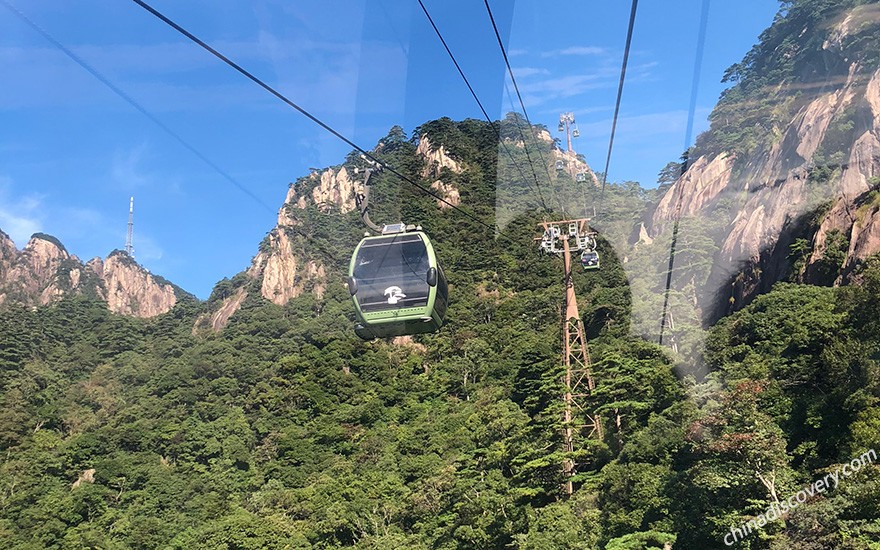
pixel 577 110
pixel 23 215
pixel 547 90
pixel 525 72
pixel 19 217
pixel 575 50
pixel 637 128
pixel 126 171
pixel 147 249
pixel 316 73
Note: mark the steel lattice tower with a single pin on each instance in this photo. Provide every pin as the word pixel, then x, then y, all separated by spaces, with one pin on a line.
pixel 578 382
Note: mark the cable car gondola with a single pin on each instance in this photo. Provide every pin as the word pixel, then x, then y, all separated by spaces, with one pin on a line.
pixel 397 285
pixel 590 260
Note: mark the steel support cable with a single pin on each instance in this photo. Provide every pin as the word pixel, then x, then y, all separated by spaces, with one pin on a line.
pixel 558 200
pixel 523 105
pixel 244 72
pixel 629 34
pixel 695 84
pixel 128 99
pixel 555 195
pixel 483 109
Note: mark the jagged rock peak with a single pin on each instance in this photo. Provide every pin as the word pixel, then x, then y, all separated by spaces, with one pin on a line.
pixel 129 289
pixel 43 272
pixel 283 271
pixel 435 159
pixel 8 252
pixel 573 164
pixel 326 188
pixel 280 269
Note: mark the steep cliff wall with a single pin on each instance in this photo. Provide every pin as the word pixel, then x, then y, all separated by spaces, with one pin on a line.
pixel 435 159
pixel 41 272
pixel 129 289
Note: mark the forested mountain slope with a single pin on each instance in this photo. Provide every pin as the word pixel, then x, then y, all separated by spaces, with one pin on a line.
pixel 284 430
pixel 257 419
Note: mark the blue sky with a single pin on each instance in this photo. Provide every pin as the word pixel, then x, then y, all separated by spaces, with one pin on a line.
pixel 72 151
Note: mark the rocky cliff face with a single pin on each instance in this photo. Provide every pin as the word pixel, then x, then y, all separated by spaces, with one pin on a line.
pixel 129 289
pixel 281 270
pixel 435 159
pixel 334 187
pixel 43 272
pixel 820 152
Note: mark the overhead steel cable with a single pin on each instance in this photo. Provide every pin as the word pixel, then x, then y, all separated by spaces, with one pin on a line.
pixel 629 34
pixel 483 109
pixel 304 112
pixel 521 103
pixel 692 106
pixel 128 99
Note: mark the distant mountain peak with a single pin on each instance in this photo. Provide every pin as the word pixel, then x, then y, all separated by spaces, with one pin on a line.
pixel 44 272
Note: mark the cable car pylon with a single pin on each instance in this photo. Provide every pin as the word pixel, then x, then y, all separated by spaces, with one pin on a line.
pixel 563 238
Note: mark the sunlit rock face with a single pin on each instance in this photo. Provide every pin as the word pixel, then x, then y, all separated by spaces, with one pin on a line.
pixel 31 276
pixel 129 289
pixel 281 269
pixel 332 187
pixel 791 186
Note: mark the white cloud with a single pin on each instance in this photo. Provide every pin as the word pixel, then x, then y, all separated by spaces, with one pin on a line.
pixel 578 111
pixel 146 249
pixel 671 124
pixel 547 90
pixel 582 50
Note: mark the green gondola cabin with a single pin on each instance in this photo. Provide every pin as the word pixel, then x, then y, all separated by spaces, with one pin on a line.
pixel 397 285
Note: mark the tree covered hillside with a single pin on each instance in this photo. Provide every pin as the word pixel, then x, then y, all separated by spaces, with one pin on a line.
pixel 284 430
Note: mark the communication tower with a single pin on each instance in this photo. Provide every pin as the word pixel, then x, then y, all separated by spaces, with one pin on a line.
pixel 129 247
pixel 568 125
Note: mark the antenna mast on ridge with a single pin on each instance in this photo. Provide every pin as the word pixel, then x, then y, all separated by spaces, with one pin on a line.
pixel 129 247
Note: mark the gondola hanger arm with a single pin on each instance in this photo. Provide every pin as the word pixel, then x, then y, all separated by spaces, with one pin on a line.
pixel 362 201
